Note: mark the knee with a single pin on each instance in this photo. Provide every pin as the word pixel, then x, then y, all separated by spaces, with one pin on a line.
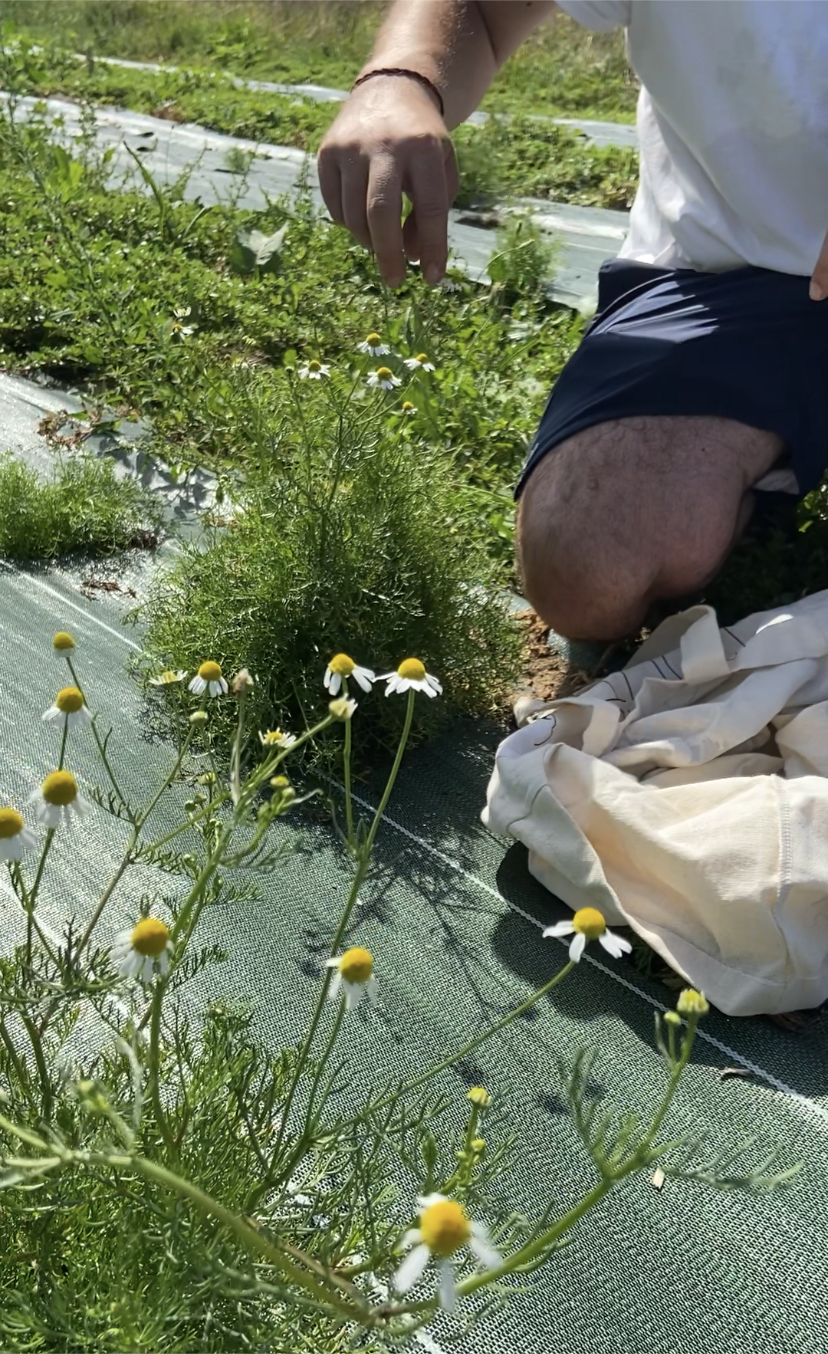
pixel 576 595
pixel 583 583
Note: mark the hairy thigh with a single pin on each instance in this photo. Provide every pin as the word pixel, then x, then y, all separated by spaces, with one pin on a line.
pixel 655 501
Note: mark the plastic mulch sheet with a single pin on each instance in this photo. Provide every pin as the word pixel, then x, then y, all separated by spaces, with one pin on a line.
pixel 454 920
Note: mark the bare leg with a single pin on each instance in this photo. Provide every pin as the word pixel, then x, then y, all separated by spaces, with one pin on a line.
pixel 635 511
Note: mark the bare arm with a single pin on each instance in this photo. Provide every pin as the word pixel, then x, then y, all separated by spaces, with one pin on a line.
pixel 390 137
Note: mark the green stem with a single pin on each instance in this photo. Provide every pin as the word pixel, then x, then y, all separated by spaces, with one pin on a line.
pixel 248 1236
pixel 472 1044
pixel 346 776
pixel 40 1063
pixel 63 742
pixel 154 1065
pixel 32 899
pixel 99 742
pixel 361 871
pixel 20 1068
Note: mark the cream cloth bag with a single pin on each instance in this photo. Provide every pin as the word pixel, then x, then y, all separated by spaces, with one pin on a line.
pixel 685 796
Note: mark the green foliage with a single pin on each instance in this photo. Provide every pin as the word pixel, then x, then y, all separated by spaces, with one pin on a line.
pixel 350 540
pixel 83 506
pixel 533 158
pixel 562 68
pixel 516 156
pixel 525 260
pixel 166 1184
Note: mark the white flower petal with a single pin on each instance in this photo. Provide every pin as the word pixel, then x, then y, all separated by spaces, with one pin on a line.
pixel 198 685
pixel 576 949
pixel 480 1243
pixel 561 928
pixel 52 713
pixel 364 677
pixel 333 990
pixel 412 1237
pixel 428 1200
pixel 411 1268
pixel 615 945
pixel 448 1293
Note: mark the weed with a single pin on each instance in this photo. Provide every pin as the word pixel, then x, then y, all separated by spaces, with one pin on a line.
pixel 561 69
pixel 84 506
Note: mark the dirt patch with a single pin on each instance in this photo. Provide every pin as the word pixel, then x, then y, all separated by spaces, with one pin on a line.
pixel 546 674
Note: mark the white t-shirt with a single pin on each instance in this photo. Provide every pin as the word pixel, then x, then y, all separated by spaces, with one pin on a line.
pixel 733 126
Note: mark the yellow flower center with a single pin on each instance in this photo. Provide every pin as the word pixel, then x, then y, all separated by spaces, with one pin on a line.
pixel 272 736
pixel 589 922
pixel 342 664
pixel 60 788
pixel 168 677
pixel 69 700
pixel 373 340
pixel 422 357
pixel 384 373
pixel 63 641
pixel 412 669
pixel 445 1227
pixel 11 823
pixel 407 406
pixel 210 672
pixel 150 937
pixel 356 965
pixel 313 365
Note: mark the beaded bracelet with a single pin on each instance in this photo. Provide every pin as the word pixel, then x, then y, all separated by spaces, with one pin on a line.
pixel 412 75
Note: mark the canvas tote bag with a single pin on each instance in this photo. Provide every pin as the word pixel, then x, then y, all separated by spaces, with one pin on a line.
pixel 686 796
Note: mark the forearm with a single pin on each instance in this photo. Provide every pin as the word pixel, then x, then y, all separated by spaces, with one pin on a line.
pixel 459 45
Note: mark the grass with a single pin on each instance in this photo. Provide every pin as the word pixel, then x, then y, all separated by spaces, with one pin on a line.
pixel 84 506
pixel 562 69
pixel 519 156
pixel 146 303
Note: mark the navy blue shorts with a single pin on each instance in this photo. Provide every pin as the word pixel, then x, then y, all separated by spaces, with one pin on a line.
pixel 747 344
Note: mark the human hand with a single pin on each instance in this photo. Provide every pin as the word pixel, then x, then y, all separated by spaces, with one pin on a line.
pixel 819 277
pixel 390 139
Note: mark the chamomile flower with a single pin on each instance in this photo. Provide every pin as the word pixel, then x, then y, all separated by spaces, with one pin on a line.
pixel 354 976
pixel 411 676
pixel 420 362
pixel 408 408
pixel 445 1228
pixel 384 377
pixel 313 370
pixel 143 951
pixel 588 924
pixel 177 325
pixel 274 738
pixel 69 706
pixel 57 800
pixel 15 837
pixel 341 666
pixel 63 644
pixel 374 346
pixel 168 678
pixel 209 679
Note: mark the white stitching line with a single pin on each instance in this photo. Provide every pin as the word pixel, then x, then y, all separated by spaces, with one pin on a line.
pixel 810 1108
pixel 66 601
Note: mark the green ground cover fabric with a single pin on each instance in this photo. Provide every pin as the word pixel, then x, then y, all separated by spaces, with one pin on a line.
pixel 454 921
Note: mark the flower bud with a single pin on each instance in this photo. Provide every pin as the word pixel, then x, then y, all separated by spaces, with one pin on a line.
pixel 198 717
pixel 672 1018
pixel 692 1003
pixel 480 1097
pixel 242 683
pixel 343 708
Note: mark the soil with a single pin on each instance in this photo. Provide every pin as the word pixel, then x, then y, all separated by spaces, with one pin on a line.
pixel 546 674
